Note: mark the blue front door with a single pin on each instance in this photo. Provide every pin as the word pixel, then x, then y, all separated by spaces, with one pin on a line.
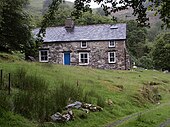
pixel 66 58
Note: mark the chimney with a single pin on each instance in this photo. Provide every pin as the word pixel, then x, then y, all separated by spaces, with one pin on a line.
pixel 69 25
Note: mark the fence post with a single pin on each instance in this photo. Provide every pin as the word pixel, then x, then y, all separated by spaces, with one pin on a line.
pixel 1 80
pixel 9 85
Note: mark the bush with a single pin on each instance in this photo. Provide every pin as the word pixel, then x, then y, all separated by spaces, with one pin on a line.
pixel 161 51
pixel 145 62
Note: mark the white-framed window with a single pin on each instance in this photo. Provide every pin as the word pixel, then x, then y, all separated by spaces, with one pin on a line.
pixel 83 58
pixel 112 57
pixel 43 55
pixel 112 44
pixel 83 44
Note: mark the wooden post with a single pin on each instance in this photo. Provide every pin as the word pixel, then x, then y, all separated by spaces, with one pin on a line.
pixel 1 80
pixel 9 85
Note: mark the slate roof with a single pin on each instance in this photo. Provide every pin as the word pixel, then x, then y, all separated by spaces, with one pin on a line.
pixel 85 33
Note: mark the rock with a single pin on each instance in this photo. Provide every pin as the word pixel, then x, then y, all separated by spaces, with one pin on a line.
pixel 76 105
pixel 58 117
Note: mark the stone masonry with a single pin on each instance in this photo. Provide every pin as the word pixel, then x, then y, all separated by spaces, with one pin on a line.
pixel 98 53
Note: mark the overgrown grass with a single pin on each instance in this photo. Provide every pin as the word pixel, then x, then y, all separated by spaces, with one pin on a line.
pixel 9 119
pixel 10 57
pixel 43 101
pixel 63 83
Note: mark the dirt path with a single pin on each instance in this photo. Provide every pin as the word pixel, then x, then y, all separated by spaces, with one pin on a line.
pixel 132 116
pixel 118 122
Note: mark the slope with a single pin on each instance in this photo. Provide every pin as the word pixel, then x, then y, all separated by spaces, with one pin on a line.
pixel 124 88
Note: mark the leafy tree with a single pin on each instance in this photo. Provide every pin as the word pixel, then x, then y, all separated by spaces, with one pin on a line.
pixel 154 31
pixel 47 18
pixel 90 18
pixel 2 4
pixel 14 29
pixel 136 37
pixel 161 51
pixel 139 7
pixel 145 62
pixel 63 12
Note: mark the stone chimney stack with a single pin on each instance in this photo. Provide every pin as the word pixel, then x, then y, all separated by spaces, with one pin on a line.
pixel 69 25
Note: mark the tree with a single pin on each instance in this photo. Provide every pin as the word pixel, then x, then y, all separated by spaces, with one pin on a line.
pixel 2 4
pixel 139 7
pixel 14 30
pixel 161 52
pixel 145 62
pixel 89 18
pixel 136 37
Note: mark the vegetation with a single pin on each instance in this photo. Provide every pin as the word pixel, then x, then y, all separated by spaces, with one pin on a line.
pixel 139 9
pixel 43 86
pixel 151 118
pixel 136 39
pixel 40 90
pixel 161 52
pixel 14 26
pixel 9 119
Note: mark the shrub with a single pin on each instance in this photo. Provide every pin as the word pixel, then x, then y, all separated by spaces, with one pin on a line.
pixel 145 62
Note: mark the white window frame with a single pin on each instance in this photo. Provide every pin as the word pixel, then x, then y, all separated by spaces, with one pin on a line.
pixel 41 56
pixel 114 57
pixel 112 45
pixel 82 45
pixel 80 58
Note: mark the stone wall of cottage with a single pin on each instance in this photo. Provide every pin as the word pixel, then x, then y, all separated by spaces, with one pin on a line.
pixel 98 53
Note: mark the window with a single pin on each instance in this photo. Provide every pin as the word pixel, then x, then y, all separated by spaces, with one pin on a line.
pixel 43 55
pixel 111 57
pixel 112 44
pixel 83 58
pixel 83 44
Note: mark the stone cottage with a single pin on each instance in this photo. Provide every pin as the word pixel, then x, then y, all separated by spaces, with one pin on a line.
pixel 99 46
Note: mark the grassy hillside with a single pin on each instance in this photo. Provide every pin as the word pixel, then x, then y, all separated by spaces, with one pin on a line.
pixel 10 57
pixel 9 119
pixel 126 89
pixel 153 118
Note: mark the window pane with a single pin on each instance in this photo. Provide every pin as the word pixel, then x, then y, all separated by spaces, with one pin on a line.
pixel 44 55
pixel 84 57
pixel 112 43
pixel 84 44
pixel 111 59
pixel 81 56
pixel 111 55
pixel 43 52
pixel 85 61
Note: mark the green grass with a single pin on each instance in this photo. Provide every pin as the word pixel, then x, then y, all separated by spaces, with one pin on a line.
pixel 119 86
pixel 9 119
pixel 10 57
pixel 152 118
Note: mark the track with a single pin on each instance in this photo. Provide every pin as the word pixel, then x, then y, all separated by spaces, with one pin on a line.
pixel 132 116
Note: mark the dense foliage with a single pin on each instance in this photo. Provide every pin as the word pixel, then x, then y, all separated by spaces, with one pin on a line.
pixel 161 52
pixel 14 25
pixel 139 8
pixel 136 39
